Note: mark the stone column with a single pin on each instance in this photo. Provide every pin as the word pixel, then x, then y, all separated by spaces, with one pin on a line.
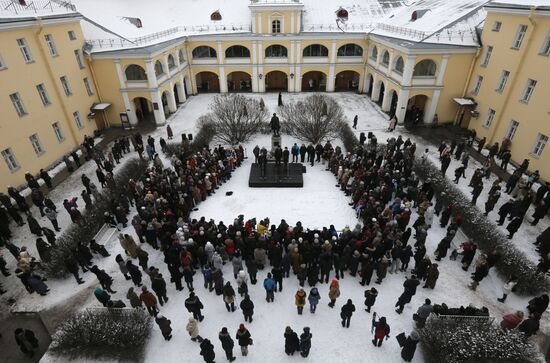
pixel 402 102
pixel 431 106
pixel 160 118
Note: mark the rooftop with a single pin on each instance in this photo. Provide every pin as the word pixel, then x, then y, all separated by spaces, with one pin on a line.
pixel 18 9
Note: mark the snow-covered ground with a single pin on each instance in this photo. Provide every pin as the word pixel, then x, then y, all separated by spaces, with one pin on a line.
pixel 318 204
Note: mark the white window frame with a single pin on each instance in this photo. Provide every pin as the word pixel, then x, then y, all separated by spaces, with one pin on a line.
pixel 538 146
pixel 25 50
pixel 72 35
pixel 88 86
pixel 489 119
pixel 10 159
pixel 66 86
pixel 51 45
pixel 58 132
pixel 502 80
pixel 36 144
pixel 528 90
pixel 17 102
pixel 3 64
pixel 545 49
pixel 78 120
pixel 496 26
pixel 79 59
pixel 487 56
pixel 477 85
pixel 520 35
pixel 41 88
pixel 512 129
pixel 276 26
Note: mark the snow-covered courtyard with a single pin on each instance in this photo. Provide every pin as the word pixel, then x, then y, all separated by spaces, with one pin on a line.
pixel 318 204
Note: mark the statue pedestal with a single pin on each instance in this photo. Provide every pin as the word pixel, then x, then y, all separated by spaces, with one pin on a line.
pixel 275 142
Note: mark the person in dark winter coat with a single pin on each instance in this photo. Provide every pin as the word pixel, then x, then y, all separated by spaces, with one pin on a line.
pixel 26 340
pixel 227 344
pixel 159 287
pixel 34 226
pixel 207 351
pixel 423 313
pixel 135 302
pixel 134 272
pixel 409 346
pixel 229 297
pixel 292 342
pixel 504 210
pixel 305 342
pixel 529 326
pixel 244 338
pixel 346 313
pixel 164 325
pixel 72 266
pixel 370 298
pixel 194 306
pixel 513 226
pixel 149 300
pixel 313 299
pixel 104 279
pixel 381 331
pixel 538 305
pixel 247 306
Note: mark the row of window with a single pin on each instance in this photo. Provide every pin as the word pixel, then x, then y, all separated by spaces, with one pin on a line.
pixel 20 108
pixel 34 139
pixel 28 57
pixel 424 68
pixel 520 35
pixel 277 50
pixel 501 84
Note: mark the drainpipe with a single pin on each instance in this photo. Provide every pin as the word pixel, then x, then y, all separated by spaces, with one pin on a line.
pixel 45 56
pixel 518 68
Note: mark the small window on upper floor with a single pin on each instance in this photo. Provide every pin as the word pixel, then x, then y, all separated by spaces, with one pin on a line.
pixel 342 13
pixel 487 56
pixel 528 90
pixel 72 35
pixel 9 158
pixel 51 45
pixel 2 63
pixel 276 26
pixel 520 35
pixel 25 50
pixel 216 16
pixel 545 50
pixel 79 59
pixel 496 26
pixel 18 104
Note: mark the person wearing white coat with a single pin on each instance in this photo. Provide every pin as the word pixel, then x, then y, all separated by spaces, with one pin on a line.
pixel 217 261
pixel 429 215
pixel 508 288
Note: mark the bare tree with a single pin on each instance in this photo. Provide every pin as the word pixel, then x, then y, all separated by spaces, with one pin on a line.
pixel 314 119
pixel 235 118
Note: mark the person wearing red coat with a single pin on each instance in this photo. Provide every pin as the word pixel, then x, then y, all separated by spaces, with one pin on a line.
pixel 511 321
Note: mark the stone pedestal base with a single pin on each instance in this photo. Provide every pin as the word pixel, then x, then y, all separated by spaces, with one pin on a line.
pixel 275 141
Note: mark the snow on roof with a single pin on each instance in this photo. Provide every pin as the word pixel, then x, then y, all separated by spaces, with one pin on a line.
pixel 19 9
pixel 436 21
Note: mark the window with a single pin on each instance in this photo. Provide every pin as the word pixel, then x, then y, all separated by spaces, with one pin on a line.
pixel 276 26
pixel 216 16
pixel 489 119
pixel 520 34
pixel 88 87
pixel 181 57
pixel 51 45
pixel 502 81
pixel 237 51
pixel 72 35
pixel 487 56
pixel 135 73
pixel 79 59
pixel 43 94
pixel 275 50
pixel 496 26
pixel 204 51
pixel 171 62
pixel 159 69
pixel 545 50
pixel 58 132
pixel 315 50
pixel 477 85
pixel 2 63
pixel 425 68
pixel 25 50
pixel 10 159
pixel 36 145
pixel 512 129
pixel 540 143
pixel 350 50
pixel 374 53
pixel 18 104
pixel 66 86
pixel 528 91
pixel 399 65
pixel 386 58
pixel 78 120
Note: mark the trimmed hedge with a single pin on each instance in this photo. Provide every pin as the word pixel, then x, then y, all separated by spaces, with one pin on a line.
pixel 206 134
pixel 350 141
pixel 474 340
pixel 102 332
pixel 132 169
pixel 486 235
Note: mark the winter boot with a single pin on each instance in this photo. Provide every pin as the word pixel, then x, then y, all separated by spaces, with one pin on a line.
pixel 503 298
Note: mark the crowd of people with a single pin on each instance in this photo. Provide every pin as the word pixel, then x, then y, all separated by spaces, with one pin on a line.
pixel 384 191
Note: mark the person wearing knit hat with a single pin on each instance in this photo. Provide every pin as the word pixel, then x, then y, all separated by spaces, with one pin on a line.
pixel 244 338
pixel 305 342
pixel 227 344
pixel 333 292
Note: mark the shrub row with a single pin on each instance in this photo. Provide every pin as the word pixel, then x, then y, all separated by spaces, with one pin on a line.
pixel 486 235
pixel 348 137
pixel 132 169
pixel 206 134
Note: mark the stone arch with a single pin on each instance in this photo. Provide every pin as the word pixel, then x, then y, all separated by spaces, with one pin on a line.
pixel 425 68
pixel 204 51
pixel 315 50
pixel 171 60
pixel 276 51
pixel 144 109
pixel 181 56
pixel 239 81
pixel 416 107
pixel 398 65
pixel 314 81
pixel 374 53
pixel 347 81
pixel 385 58
pixel 276 81
pixel 237 51
pixel 350 50
pixel 135 72
pixel 159 69
pixel 207 82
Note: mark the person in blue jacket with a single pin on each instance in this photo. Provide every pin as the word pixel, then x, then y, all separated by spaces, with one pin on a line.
pixel 269 286
pixel 313 298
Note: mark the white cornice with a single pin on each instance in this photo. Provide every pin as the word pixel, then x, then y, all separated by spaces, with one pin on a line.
pixel 31 23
